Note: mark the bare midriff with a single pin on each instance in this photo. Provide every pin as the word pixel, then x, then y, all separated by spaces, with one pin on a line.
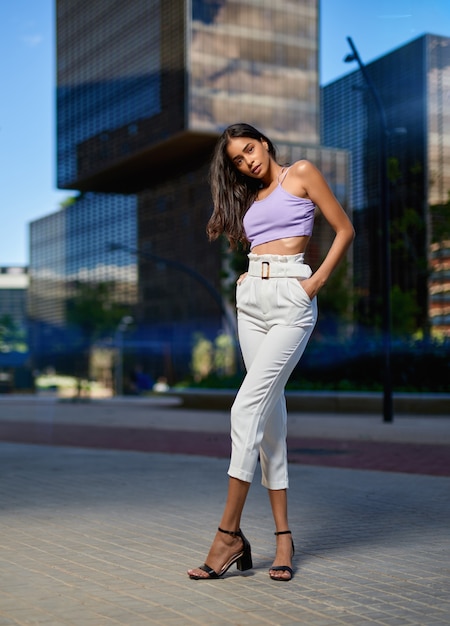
pixel 288 246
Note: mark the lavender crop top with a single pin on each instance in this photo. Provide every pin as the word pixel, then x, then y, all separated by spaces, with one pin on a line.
pixel 279 215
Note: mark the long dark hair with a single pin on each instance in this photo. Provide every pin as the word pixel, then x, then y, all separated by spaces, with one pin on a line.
pixel 232 192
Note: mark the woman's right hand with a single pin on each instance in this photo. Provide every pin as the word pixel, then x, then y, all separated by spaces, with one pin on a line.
pixel 241 278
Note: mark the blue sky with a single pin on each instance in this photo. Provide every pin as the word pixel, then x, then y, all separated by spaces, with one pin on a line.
pixel 27 102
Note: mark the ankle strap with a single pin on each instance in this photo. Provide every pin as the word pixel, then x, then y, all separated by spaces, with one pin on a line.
pixel 283 532
pixel 233 533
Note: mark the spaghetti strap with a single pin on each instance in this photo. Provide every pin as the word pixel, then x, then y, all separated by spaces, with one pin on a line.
pixel 282 175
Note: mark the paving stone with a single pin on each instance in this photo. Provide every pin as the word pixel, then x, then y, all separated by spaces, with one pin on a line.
pixel 103 537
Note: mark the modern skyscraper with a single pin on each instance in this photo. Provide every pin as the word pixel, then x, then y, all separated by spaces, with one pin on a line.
pixel 412 82
pixel 144 86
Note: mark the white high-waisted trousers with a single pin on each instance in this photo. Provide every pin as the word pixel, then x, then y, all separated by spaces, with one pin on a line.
pixel 275 320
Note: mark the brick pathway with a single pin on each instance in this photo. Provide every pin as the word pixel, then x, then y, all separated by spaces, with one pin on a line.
pixel 104 537
pixel 431 459
pixel 99 527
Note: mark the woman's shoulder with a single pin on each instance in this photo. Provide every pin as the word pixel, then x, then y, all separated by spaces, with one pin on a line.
pixel 302 175
pixel 303 167
pixel 306 173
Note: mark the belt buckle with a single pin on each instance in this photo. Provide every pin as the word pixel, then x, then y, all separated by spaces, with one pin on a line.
pixel 265 270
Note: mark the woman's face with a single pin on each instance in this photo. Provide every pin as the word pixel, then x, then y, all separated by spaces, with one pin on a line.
pixel 249 156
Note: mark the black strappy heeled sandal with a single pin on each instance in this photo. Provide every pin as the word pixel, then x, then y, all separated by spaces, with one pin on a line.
pixel 243 559
pixel 283 568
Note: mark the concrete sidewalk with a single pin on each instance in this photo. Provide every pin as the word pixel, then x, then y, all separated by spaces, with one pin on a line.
pixel 104 537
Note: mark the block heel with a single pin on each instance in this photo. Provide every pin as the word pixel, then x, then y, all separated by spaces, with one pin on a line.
pixel 243 559
pixel 245 562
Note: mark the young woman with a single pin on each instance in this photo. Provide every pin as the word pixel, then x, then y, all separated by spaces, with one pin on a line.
pixel 259 202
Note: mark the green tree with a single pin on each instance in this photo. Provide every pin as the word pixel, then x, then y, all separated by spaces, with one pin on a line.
pixel 404 312
pixel 93 311
pixel 12 336
pixel 68 201
pixel 236 262
pixel 336 302
pixel 336 297
pixel 202 362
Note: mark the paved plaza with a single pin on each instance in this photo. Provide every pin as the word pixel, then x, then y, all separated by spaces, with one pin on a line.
pixel 99 536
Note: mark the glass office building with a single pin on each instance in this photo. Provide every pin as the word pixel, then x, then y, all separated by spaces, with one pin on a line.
pixel 74 246
pixel 144 85
pixel 413 83
pixel 143 90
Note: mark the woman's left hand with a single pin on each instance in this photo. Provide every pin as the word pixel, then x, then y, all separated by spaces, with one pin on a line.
pixel 309 287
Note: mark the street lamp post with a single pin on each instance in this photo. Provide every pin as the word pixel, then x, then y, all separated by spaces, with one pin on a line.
pixel 385 233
